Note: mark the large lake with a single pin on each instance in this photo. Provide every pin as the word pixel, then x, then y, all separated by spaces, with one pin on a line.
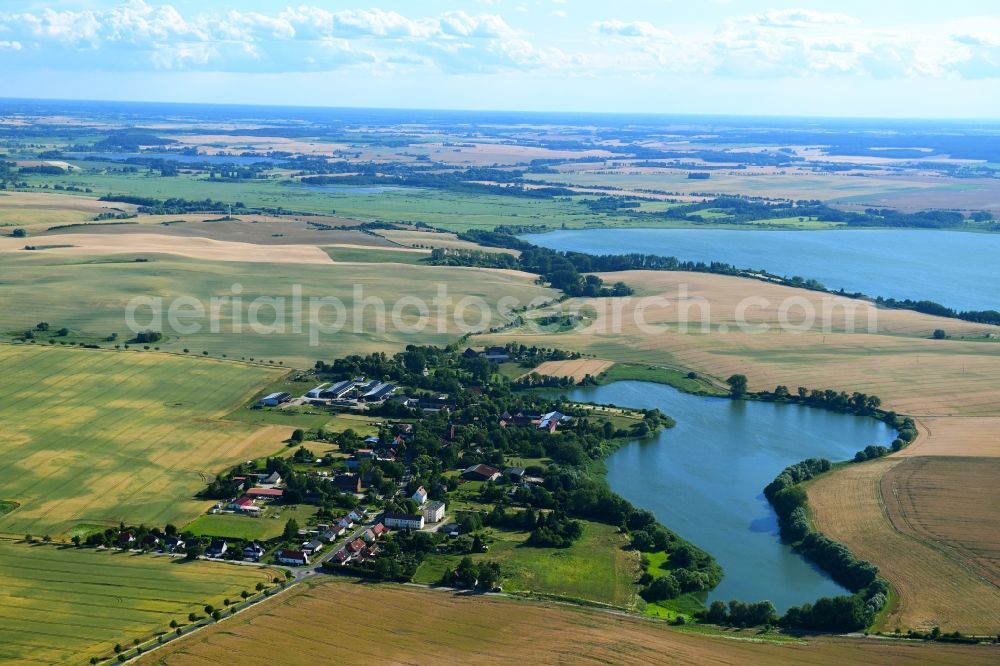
pixel 704 479
pixel 957 269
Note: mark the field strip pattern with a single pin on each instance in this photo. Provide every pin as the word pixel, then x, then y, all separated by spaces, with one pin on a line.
pixel 100 437
pixel 64 604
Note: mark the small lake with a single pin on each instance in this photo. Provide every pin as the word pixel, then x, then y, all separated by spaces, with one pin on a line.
pixel 956 269
pixel 704 479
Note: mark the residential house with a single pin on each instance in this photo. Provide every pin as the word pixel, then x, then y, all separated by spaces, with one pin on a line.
pixel 551 420
pixel 150 541
pixel 403 521
pixel 346 523
pixel 173 543
pixel 312 547
pixel 420 496
pixel 379 529
pixel 348 483
pixel 253 551
pixel 342 556
pixel 368 535
pixel 357 514
pixel 272 479
pixel 470 353
pixel 126 539
pixel 481 473
pixel 355 546
pixel 293 557
pixel 218 548
pixel 434 512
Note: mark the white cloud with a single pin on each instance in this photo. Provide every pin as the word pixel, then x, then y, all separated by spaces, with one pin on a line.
pixel 798 42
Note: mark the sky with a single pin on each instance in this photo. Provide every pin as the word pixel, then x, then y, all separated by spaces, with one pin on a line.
pixel 884 58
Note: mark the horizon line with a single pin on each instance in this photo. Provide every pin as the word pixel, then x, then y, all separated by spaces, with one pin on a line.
pixel 527 112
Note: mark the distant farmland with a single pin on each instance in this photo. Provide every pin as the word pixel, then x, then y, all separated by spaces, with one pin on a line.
pixel 64 605
pixel 91 438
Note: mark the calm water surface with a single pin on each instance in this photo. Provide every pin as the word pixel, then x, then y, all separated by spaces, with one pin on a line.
pixel 957 269
pixel 704 480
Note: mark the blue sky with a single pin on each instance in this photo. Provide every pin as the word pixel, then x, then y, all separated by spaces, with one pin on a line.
pixel 847 58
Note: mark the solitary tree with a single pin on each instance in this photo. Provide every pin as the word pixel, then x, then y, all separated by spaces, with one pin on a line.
pixel 291 529
pixel 737 386
pixel 939 334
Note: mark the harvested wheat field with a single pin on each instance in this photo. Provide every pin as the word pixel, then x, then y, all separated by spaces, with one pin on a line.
pixel 457 629
pixel 932 587
pixel 36 211
pixel 575 368
pixel 961 436
pixel 953 503
pixel 184 246
pixel 257 229
pixel 894 359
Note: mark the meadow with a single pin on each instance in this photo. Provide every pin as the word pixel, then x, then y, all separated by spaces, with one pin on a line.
pixel 268 526
pixel 421 626
pixel 593 569
pixel 65 605
pixel 97 437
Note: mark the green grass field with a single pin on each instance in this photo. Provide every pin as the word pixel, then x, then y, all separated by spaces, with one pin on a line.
pixel 268 526
pixel 66 605
pixel 90 296
pixel 96 437
pixel 593 569
pixel 660 375
pixel 375 255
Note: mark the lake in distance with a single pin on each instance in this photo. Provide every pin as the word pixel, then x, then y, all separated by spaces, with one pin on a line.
pixel 956 269
pixel 704 479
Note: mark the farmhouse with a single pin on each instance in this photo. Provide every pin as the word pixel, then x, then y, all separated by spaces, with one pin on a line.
pixel 294 557
pixel 497 355
pixel 481 473
pixel 420 496
pixel 514 474
pixel 404 521
pixel 434 512
pixel 275 399
pixel 245 504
